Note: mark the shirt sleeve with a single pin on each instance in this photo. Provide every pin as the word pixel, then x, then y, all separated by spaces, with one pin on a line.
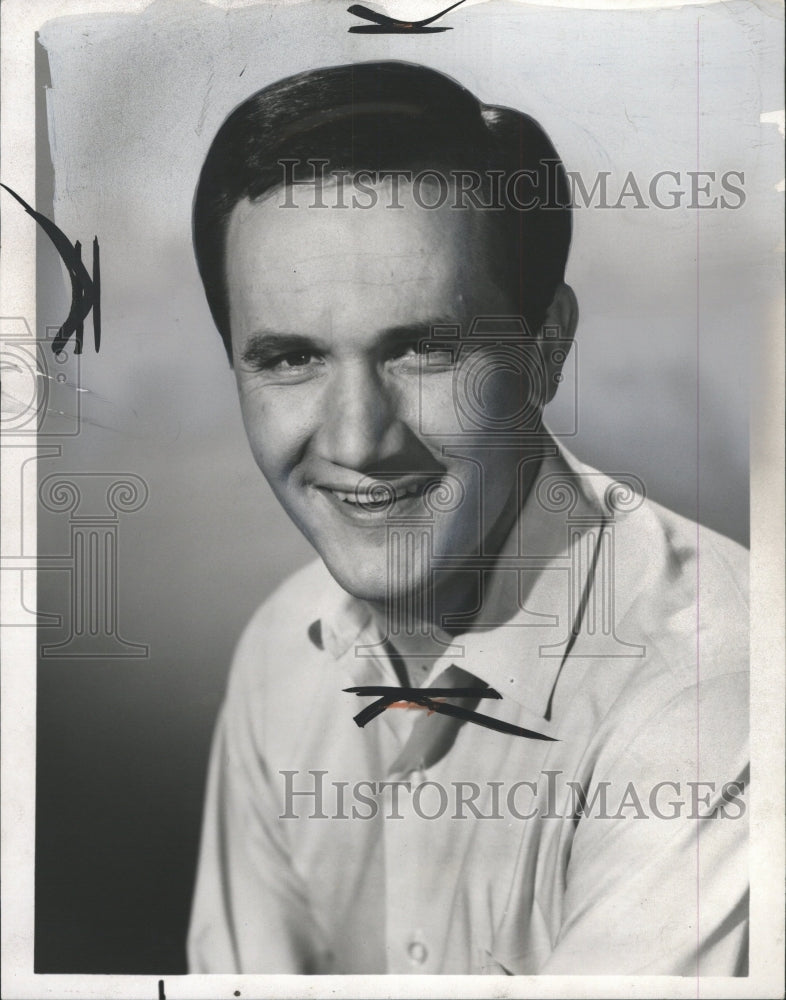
pixel 660 886
pixel 250 911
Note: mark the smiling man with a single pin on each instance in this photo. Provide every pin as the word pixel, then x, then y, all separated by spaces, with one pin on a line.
pixel 384 257
pixel 339 382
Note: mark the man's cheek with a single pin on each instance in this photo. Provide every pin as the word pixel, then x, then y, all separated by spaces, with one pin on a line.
pixel 269 429
pixel 265 444
pixel 433 413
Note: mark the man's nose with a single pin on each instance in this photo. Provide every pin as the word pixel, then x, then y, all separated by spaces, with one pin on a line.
pixel 360 425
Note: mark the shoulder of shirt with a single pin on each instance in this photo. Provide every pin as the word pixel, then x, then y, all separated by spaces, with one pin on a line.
pixel 696 652
pixel 659 559
pixel 693 596
pixel 683 542
pixel 656 538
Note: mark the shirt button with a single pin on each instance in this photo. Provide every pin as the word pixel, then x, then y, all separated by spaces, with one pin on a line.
pixel 417 952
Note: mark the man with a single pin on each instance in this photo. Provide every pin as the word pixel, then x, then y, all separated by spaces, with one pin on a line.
pixel 547 770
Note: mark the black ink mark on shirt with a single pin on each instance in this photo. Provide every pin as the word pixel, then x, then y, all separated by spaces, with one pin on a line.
pixel 408 697
pixel 85 291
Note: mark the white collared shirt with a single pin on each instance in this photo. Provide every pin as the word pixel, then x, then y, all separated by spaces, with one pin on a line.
pixel 610 841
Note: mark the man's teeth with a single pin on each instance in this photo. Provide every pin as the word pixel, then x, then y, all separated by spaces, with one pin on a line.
pixel 379 496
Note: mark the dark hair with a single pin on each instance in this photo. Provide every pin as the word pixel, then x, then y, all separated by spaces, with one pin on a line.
pixel 381 116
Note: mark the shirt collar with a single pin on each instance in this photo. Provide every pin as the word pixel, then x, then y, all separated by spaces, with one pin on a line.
pixel 531 589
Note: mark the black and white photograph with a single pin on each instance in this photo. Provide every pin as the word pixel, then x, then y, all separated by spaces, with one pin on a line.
pixel 392 446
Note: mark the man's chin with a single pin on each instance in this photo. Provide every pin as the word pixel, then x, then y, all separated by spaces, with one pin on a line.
pixel 368 582
pixel 364 583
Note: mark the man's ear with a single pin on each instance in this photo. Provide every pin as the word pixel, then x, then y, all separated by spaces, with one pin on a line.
pixel 555 337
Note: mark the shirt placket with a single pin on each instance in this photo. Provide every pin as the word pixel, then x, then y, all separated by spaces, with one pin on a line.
pixel 414 941
pixel 407 941
pixel 411 941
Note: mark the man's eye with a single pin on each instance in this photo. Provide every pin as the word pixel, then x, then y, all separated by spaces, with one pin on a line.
pixel 406 350
pixel 291 363
pixel 439 357
pixel 295 359
pixel 424 354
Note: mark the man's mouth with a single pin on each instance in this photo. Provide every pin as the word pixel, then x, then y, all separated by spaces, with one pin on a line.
pixel 379 496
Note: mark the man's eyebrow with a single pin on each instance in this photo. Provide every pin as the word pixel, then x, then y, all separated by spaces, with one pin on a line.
pixel 426 329
pixel 268 344
pixel 265 345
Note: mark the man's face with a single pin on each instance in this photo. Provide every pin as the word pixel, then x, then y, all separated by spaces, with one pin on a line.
pixel 328 311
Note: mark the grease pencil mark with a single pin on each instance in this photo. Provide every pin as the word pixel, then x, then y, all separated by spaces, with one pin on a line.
pixel 385 25
pixel 432 699
pixel 85 291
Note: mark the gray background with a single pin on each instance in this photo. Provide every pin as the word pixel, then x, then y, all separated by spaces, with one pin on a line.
pixel 662 369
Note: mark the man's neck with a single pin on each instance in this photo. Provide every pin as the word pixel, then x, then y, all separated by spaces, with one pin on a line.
pixel 418 642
